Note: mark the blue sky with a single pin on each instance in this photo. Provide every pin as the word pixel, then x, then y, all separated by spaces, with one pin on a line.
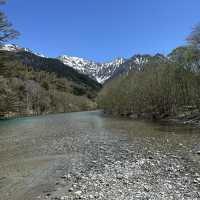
pixel 102 29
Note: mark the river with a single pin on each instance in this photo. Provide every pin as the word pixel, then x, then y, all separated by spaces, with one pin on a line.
pixel 87 155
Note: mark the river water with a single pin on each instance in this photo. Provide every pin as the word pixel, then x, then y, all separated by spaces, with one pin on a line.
pixel 87 155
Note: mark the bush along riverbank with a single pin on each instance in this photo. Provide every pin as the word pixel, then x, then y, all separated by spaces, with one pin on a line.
pixel 190 117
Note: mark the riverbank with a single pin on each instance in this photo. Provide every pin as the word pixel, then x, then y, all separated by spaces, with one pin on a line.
pixel 188 117
pixel 89 156
pixel 13 115
pixel 191 119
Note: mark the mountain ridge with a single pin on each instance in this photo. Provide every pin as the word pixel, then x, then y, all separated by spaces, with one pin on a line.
pixel 98 71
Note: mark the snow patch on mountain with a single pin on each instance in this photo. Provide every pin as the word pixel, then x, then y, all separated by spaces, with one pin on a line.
pixel 16 48
pixel 98 71
pixel 9 47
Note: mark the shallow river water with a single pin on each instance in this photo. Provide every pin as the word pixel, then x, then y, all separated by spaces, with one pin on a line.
pixel 89 156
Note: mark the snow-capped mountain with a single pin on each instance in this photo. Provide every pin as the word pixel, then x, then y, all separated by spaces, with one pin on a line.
pixel 16 48
pixel 9 47
pixel 137 63
pixel 98 71
pixel 101 72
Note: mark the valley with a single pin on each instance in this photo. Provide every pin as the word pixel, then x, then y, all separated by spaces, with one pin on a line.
pixel 110 111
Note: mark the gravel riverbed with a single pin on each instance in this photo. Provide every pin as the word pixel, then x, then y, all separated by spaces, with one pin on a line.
pixel 89 156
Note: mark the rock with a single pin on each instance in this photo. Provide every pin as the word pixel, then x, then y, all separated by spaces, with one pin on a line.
pixel 150 157
pixel 96 195
pixel 187 195
pixel 74 185
pixel 134 116
pixel 91 196
pixel 146 189
pixel 198 153
pixel 197 174
pixel 170 186
pixel 63 198
pixel 119 176
pixel 48 194
pixel 78 193
pixel 64 176
pixel 70 190
pixel 102 148
pixel 198 194
pixel 197 180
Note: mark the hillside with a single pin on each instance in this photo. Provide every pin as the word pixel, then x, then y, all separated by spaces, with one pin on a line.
pixel 31 84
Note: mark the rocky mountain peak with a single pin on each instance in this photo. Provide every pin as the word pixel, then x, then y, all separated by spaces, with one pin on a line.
pixel 98 71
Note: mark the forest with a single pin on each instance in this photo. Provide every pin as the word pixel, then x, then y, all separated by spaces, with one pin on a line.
pixel 26 90
pixel 164 86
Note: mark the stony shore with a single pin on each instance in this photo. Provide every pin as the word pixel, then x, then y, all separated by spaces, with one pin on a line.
pixel 89 156
pixel 130 175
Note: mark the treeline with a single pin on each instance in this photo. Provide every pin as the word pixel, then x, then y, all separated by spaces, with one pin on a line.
pixel 165 86
pixel 25 91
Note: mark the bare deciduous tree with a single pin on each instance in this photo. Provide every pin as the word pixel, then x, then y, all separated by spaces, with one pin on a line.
pixel 7 32
pixel 194 37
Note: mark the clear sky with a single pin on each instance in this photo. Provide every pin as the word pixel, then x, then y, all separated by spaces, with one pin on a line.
pixel 102 29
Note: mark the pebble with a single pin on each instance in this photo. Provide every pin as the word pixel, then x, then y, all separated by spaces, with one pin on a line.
pixel 146 189
pixel 119 176
pixel 64 176
pixel 70 190
pixel 78 193
pixel 91 196
pixel 125 179
pixel 64 198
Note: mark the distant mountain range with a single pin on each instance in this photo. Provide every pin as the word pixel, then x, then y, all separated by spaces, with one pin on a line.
pixel 100 72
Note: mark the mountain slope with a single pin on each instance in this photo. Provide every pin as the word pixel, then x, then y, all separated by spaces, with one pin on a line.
pixel 97 71
pixel 137 63
pixel 103 72
pixel 34 85
pixel 80 83
pixel 16 48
